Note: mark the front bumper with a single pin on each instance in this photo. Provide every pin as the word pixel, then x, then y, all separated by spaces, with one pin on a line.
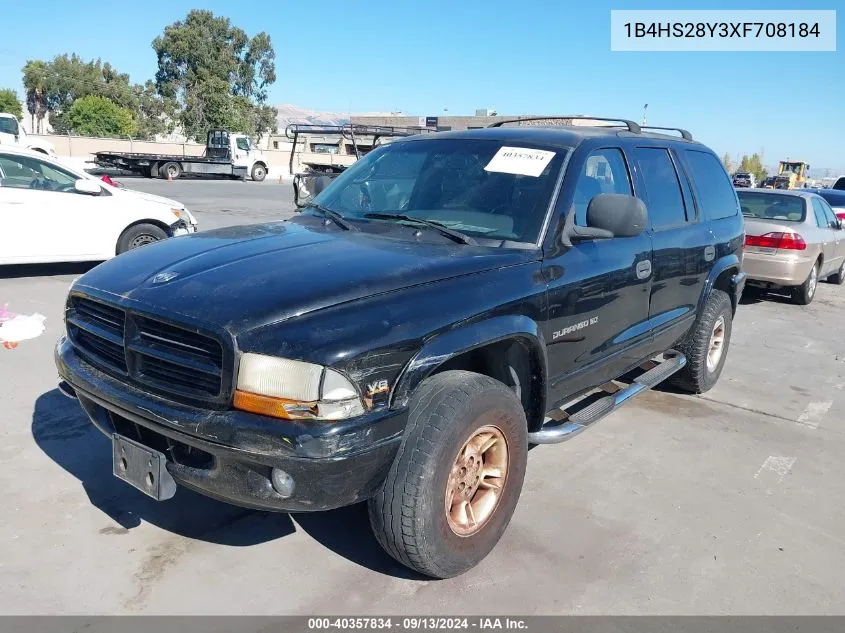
pixel 777 269
pixel 229 455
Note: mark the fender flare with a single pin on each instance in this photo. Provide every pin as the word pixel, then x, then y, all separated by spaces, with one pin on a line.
pixel 465 338
pixel 721 277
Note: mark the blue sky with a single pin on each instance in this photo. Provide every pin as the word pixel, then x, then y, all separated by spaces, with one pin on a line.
pixel 541 57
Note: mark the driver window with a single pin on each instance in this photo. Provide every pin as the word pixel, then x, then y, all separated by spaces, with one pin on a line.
pixel 603 172
pixel 242 143
pixel 24 172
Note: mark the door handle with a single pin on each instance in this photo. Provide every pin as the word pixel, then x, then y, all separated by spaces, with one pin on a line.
pixel 643 269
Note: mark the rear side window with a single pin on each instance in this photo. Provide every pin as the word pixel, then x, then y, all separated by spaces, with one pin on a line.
pixel 821 220
pixel 713 187
pixel 665 201
pixel 832 222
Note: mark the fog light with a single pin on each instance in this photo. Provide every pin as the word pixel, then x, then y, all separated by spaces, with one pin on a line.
pixel 282 482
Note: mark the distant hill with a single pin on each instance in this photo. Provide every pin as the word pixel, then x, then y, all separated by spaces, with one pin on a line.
pixel 289 113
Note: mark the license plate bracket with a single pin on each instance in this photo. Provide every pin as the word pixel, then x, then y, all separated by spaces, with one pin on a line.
pixel 142 468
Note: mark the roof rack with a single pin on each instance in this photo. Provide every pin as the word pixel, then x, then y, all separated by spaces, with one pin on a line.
pixel 684 134
pixel 632 127
pixel 347 130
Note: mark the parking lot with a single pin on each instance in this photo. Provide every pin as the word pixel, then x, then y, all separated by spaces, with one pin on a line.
pixel 727 503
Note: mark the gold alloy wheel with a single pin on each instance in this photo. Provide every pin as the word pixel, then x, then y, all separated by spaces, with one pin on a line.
pixel 717 344
pixel 477 480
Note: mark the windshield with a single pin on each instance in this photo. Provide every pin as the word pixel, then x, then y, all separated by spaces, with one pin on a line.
pixel 474 186
pixel 8 125
pixel 770 206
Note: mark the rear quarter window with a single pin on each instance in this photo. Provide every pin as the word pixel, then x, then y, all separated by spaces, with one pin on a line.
pixel 713 188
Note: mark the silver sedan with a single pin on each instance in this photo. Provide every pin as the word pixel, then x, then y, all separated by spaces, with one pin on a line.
pixel 792 240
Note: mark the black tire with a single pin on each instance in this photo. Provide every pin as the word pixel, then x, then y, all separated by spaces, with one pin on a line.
pixel 259 172
pixel 803 294
pixel 839 276
pixel 408 513
pixel 171 170
pixel 699 375
pixel 139 235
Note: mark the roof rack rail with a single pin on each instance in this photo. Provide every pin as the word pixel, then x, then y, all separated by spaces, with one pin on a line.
pixel 632 127
pixel 684 134
pixel 348 129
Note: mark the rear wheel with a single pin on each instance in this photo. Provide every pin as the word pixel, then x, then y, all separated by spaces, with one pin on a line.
pixel 456 479
pixel 170 171
pixel 706 345
pixel 139 235
pixel 803 294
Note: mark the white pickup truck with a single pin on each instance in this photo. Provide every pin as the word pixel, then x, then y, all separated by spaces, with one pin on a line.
pixel 12 133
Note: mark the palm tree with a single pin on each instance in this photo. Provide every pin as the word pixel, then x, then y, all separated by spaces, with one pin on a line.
pixel 35 77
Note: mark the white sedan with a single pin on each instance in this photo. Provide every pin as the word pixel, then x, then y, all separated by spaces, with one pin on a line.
pixel 50 212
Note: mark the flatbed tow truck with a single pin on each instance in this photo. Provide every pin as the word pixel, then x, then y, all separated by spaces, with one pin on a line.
pixel 226 154
pixel 325 151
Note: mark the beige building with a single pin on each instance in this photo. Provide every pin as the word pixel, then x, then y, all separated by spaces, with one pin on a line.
pixel 481 119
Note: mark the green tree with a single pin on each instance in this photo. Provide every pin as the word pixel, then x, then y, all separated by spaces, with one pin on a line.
pixel 10 103
pixel 216 73
pixel 98 116
pixel 753 165
pixel 56 85
pixel 155 115
pixel 35 82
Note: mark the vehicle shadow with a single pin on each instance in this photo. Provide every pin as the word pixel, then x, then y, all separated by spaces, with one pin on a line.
pixel 66 435
pixel 15 271
pixel 758 296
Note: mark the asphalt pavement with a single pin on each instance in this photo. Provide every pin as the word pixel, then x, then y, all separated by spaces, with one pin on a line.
pixel 727 503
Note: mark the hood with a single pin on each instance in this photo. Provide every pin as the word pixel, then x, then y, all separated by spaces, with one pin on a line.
pixel 245 277
pixel 148 197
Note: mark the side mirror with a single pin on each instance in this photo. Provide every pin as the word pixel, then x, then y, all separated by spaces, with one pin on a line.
pixel 612 215
pixel 89 187
pixel 622 215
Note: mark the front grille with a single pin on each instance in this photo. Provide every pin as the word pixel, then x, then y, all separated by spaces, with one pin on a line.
pixel 175 359
pixel 97 331
pixel 168 359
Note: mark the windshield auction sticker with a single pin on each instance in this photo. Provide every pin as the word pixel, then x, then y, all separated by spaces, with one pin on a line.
pixel 520 161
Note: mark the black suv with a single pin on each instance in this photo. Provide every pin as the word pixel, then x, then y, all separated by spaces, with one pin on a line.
pixel 403 339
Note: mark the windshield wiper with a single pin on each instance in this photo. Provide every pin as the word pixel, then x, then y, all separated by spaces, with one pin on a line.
pixel 332 215
pixel 457 236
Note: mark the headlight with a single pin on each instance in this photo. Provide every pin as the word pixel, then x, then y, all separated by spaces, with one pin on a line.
pixel 294 390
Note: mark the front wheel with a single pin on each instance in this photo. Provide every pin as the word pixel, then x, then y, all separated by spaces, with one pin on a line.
pixel 456 479
pixel 706 345
pixel 139 235
pixel 259 172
